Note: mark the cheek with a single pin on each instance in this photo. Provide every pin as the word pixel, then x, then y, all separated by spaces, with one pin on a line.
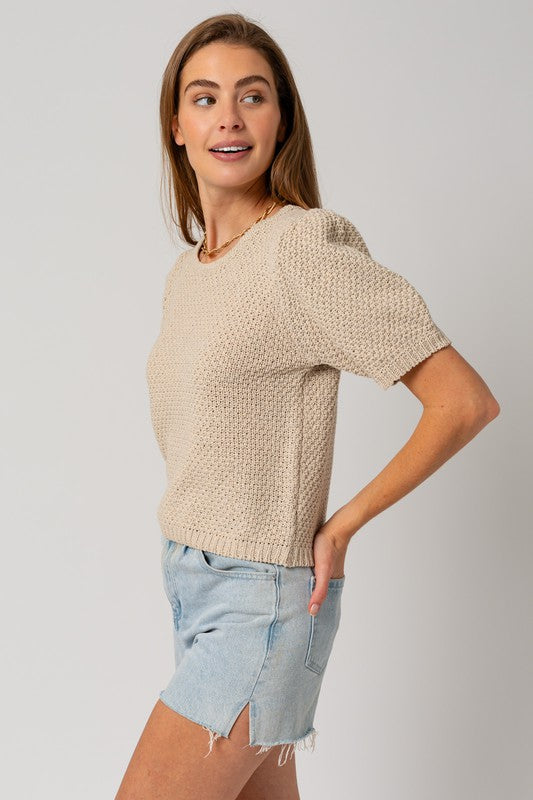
pixel 193 128
pixel 269 125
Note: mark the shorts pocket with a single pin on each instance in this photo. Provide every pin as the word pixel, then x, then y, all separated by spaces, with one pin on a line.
pixel 323 626
pixel 169 579
pixel 165 546
pixel 235 567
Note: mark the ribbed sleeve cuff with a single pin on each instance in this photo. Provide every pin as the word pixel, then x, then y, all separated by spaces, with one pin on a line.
pixel 406 359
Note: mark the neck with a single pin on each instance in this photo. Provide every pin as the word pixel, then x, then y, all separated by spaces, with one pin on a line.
pixel 211 248
pixel 225 219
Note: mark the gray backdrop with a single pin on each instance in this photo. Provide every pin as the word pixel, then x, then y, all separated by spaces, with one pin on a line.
pixel 422 133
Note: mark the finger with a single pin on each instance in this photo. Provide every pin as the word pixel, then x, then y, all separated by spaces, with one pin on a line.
pixel 320 591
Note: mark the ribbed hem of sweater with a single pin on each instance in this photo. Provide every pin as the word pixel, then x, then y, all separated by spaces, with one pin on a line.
pixel 290 555
pixel 407 359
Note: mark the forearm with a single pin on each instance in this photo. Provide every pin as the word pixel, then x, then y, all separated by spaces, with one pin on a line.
pixel 439 434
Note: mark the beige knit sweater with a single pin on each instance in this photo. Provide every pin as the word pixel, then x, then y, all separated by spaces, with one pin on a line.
pixel 244 374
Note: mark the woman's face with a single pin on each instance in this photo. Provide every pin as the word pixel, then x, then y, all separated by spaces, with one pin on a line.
pixel 212 115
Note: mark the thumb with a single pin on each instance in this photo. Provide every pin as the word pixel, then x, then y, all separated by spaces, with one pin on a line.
pixel 320 590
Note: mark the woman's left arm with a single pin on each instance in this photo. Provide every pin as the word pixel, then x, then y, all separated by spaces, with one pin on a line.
pixel 457 405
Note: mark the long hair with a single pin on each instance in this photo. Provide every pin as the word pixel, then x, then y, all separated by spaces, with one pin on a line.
pixel 291 177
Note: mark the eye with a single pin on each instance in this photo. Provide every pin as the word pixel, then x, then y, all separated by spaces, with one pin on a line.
pixel 205 97
pixel 250 96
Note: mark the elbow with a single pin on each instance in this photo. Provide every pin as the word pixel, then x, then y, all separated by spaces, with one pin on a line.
pixel 482 410
pixel 492 409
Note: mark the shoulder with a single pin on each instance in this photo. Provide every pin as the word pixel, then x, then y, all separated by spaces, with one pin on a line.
pixel 172 271
pixel 317 228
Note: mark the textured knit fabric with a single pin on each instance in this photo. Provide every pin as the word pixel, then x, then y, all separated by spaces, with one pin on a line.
pixel 243 378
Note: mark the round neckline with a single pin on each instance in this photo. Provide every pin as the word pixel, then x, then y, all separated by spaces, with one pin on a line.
pixel 200 265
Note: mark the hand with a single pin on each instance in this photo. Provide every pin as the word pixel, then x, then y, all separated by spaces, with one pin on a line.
pixel 329 555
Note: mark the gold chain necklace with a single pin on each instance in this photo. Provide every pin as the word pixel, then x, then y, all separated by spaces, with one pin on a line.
pixel 207 252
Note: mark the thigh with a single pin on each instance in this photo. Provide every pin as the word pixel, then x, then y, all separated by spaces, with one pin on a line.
pixel 169 761
pixel 272 781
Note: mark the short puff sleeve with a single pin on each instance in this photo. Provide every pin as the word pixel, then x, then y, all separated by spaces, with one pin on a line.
pixel 347 310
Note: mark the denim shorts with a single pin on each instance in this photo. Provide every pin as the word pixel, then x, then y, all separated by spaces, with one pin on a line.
pixel 243 634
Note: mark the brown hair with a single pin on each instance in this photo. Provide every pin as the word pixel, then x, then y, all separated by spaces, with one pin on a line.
pixel 291 177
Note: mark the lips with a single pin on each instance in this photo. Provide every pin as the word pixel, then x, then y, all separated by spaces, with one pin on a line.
pixel 230 155
pixel 232 143
pixel 220 150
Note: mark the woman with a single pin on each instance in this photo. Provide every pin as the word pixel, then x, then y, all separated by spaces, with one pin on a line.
pixel 260 315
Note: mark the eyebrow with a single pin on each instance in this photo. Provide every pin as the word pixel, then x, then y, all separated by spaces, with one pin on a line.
pixel 207 84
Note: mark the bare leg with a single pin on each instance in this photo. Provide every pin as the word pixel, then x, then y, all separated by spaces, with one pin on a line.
pixel 272 782
pixel 169 761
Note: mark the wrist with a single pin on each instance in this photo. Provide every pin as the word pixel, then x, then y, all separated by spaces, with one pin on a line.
pixel 345 523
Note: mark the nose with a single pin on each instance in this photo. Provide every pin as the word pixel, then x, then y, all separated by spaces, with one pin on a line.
pixel 229 116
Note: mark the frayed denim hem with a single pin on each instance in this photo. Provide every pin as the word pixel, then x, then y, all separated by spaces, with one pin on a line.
pixel 212 738
pixel 306 742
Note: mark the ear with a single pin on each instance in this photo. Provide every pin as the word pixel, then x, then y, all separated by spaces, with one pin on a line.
pixel 176 132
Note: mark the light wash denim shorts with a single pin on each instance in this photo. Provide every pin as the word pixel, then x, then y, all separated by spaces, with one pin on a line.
pixel 243 634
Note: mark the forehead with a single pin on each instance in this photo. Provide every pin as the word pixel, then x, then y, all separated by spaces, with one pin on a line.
pixel 225 64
